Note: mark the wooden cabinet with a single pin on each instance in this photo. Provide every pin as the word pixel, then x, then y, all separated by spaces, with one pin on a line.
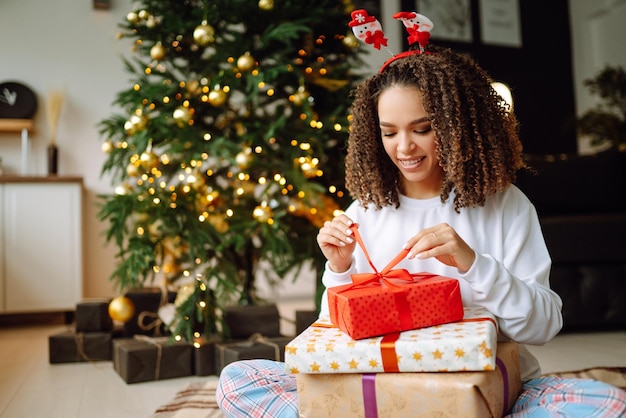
pixel 40 244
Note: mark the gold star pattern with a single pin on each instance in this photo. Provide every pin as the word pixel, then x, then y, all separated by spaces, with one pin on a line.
pixel 417 356
pixel 294 370
pixel 353 364
pixel 310 348
pixel 330 347
pixel 437 355
pixel 373 363
pixel 291 349
pixel 459 352
pixel 334 365
pixel 315 367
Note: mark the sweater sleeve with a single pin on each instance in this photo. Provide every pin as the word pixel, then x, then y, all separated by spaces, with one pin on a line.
pixel 517 290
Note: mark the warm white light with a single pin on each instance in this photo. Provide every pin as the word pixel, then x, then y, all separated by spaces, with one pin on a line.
pixel 504 91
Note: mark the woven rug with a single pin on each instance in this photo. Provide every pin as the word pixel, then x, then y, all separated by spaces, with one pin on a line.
pixel 197 400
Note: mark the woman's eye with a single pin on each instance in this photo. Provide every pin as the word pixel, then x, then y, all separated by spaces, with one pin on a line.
pixel 424 130
pixel 388 134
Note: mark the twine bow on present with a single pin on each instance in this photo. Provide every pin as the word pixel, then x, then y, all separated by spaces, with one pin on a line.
pixel 158 342
pixel 254 338
pixel 155 324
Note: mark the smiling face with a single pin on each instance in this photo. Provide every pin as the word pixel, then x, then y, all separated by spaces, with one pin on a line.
pixel 409 141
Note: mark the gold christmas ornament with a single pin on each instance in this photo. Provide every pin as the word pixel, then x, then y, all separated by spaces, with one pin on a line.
pixel 300 97
pixel 182 115
pixel 308 166
pixel 266 4
pixel 121 309
pixel 123 189
pixel 194 88
pixel 262 213
pixel 149 160
pixel 158 51
pixel 132 170
pixel 217 97
pixel 133 17
pixel 204 34
pixel 107 147
pixel 136 123
pixel 246 62
pixel 244 158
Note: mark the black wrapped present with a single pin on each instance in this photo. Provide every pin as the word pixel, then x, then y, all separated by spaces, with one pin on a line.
pixel 256 347
pixel 145 320
pixel 93 316
pixel 204 356
pixel 74 347
pixel 245 321
pixel 144 359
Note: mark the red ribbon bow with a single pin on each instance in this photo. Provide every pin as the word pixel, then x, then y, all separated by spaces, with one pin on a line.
pixel 382 277
pixel 376 39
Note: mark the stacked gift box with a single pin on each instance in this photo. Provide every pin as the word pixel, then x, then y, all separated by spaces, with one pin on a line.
pixel 254 333
pixel 89 340
pixel 400 344
pixel 435 370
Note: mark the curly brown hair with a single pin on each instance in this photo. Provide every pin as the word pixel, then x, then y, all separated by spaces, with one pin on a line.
pixel 476 134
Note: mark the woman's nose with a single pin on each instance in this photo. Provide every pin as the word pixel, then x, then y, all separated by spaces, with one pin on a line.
pixel 405 144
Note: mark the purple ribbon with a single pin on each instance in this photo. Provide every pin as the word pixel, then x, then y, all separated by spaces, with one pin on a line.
pixel 505 378
pixel 369 395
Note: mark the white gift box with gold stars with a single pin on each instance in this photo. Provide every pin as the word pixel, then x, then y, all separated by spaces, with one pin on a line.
pixel 467 345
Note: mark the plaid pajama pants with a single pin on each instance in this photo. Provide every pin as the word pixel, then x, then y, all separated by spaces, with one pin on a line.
pixel 262 388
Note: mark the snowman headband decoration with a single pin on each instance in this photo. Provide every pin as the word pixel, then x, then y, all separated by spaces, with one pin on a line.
pixel 369 30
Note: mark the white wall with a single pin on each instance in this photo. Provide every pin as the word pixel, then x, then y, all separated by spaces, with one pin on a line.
pixel 67 44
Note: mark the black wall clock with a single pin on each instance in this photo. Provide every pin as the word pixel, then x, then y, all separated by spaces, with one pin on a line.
pixel 17 101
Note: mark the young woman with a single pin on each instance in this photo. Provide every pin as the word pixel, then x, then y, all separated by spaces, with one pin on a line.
pixel 432 157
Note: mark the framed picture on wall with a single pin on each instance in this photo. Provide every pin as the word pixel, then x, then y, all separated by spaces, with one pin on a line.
pixel 452 18
pixel 500 23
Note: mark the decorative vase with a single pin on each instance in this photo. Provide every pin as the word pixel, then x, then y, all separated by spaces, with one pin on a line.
pixel 53 159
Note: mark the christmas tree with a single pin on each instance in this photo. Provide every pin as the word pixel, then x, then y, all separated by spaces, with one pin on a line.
pixel 227 154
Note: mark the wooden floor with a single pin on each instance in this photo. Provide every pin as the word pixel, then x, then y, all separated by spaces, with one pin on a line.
pixel 31 388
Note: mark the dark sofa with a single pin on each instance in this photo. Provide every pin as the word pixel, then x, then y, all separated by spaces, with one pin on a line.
pixel 581 202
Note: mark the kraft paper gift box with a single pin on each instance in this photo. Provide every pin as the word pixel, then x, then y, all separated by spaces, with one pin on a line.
pixel 400 395
pixel 467 345
pixel 75 347
pixel 143 358
pixel 256 347
pixel 391 300
pixel 93 316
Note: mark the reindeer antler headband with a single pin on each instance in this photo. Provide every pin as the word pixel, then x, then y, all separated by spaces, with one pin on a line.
pixel 369 30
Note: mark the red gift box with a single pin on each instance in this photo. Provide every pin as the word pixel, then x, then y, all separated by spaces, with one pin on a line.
pixel 390 301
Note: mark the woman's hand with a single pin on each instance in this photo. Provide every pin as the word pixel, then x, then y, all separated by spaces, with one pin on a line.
pixel 337 243
pixel 443 243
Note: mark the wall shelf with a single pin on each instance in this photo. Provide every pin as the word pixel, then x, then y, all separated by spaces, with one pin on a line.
pixel 24 126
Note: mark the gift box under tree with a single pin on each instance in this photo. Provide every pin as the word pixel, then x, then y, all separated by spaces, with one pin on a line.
pixel 256 347
pixel 93 316
pixel 75 347
pixel 143 358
